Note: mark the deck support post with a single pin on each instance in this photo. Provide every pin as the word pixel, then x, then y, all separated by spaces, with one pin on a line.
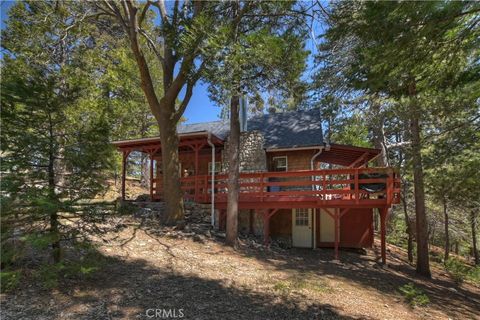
pixel 197 148
pixel 383 231
pixel 124 171
pixel 151 177
pixel 337 231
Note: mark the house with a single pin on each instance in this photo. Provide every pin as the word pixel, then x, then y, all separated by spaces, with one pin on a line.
pixel 293 184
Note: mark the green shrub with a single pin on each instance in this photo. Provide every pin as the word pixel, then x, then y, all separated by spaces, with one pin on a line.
pixel 91 261
pixel 49 274
pixel 461 271
pixel 9 280
pixel 11 252
pixel 414 296
pixel 125 208
pixel 40 241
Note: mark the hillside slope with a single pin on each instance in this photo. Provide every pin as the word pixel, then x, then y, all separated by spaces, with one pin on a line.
pixel 150 267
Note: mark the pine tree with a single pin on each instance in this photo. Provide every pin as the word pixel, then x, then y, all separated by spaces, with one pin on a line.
pixel 56 153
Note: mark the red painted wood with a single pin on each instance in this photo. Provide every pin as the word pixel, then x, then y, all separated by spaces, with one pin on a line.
pixel 151 177
pixel 124 171
pixel 356 229
pixel 337 231
pixel 293 189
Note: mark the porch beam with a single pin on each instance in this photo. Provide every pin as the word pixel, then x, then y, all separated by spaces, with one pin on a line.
pixel 272 212
pixel 151 177
pixel 125 154
pixel 337 232
pixel 359 160
pixel 197 148
pixel 344 211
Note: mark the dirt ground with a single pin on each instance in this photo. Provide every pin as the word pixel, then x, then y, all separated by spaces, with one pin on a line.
pixel 188 276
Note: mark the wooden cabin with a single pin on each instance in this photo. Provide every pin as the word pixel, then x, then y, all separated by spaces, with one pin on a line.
pixel 293 185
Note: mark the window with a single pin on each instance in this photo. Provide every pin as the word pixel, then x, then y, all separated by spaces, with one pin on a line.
pixel 302 217
pixel 218 167
pixel 280 163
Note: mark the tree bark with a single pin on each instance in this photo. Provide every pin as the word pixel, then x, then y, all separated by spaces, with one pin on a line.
pixel 408 230
pixel 423 262
pixel 447 235
pixel 171 172
pixel 53 212
pixel 164 112
pixel 473 223
pixel 379 135
pixel 233 172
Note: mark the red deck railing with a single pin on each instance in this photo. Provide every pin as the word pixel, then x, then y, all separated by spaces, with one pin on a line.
pixel 336 187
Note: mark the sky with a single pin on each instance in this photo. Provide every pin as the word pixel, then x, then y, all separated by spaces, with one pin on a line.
pixel 200 108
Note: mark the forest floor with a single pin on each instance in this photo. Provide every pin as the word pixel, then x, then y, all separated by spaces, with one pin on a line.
pixel 148 268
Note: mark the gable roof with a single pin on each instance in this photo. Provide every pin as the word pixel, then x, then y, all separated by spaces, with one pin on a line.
pixel 293 129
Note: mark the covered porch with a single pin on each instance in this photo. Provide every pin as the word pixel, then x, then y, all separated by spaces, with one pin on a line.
pixel 198 154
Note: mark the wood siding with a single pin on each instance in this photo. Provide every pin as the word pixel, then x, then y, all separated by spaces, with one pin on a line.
pixel 297 159
pixel 356 227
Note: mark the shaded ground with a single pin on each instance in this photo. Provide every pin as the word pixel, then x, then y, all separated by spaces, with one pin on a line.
pixel 199 278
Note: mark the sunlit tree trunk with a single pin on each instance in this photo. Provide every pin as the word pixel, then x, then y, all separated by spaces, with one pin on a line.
pixel 233 172
pixel 408 230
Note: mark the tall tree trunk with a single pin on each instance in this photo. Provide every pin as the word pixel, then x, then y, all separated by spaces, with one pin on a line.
pixel 473 223
pixel 53 211
pixel 171 172
pixel 408 225
pixel 423 263
pixel 447 235
pixel 233 172
pixel 164 112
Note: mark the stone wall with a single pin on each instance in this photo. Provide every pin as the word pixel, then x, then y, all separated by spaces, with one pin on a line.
pixel 252 155
pixel 194 212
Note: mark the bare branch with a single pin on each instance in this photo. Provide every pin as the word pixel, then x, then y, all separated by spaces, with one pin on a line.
pixel 160 4
pixel 151 45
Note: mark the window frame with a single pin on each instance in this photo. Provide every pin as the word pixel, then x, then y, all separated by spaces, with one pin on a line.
pixel 274 163
pixel 302 218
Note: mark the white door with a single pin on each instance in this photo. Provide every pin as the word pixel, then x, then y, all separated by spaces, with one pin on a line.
pixel 302 228
pixel 327 226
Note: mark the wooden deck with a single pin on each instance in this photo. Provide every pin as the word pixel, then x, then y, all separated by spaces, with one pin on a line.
pixel 336 188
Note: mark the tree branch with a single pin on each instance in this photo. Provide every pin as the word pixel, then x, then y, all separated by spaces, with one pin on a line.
pixel 160 4
pixel 144 13
pixel 186 99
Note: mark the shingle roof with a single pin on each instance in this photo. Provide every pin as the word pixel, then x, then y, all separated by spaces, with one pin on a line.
pixel 291 129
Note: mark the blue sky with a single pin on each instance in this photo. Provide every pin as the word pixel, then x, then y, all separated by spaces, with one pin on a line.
pixel 200 108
